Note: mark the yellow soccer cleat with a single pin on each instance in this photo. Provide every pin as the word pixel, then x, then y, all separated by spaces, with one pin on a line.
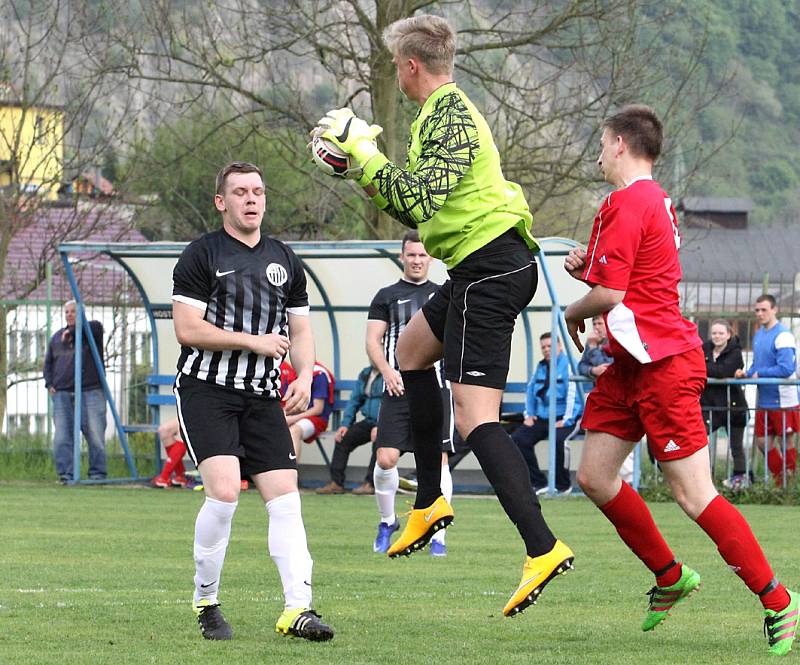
pixel 536 573
pixel 422 524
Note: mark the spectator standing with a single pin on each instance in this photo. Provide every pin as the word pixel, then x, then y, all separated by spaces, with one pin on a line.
pixel 59 379
pixel 725 406
pixel 365 398
pixel 536 426
pixel 774 356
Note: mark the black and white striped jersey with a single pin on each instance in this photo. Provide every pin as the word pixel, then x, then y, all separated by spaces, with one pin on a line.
pixel 395 305
pixel 240 289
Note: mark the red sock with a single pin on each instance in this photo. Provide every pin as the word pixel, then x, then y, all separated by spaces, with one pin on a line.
pixel 791 459
pixel 739 548
pixel 175 454
pixel 775 465
pixel 634 523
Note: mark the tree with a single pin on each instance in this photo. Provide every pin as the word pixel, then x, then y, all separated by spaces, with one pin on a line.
pixel 56 122
pixel 543 72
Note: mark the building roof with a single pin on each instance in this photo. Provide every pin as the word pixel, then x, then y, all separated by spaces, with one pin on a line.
pixel 100 278
pixel 743 255
pixel 699 204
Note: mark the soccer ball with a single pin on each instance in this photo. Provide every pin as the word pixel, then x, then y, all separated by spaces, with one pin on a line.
pixel 332 161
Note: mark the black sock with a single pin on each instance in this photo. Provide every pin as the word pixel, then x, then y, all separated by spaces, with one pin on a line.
pixel 427 417
pixel 504 466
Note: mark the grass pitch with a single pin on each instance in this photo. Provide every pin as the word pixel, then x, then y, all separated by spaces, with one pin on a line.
pixel 104 575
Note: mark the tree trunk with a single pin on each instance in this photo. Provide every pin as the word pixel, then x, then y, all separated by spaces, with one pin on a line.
pixel 386 99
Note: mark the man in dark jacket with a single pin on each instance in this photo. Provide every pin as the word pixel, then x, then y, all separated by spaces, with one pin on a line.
pixel 725 406
pixel 59 379
pixel 366 398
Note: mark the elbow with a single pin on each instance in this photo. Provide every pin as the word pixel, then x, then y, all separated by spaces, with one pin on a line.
pixel 614 297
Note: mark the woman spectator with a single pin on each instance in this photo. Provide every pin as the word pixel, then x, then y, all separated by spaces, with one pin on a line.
pixel 725 406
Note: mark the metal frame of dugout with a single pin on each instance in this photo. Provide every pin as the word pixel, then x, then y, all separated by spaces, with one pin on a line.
pixel 121 253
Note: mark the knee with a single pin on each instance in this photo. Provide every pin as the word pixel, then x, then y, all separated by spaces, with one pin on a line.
pixel 386 458
pixel 226 494
pixel 592 484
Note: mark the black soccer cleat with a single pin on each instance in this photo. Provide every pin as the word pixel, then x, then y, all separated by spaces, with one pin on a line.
pixel 212 624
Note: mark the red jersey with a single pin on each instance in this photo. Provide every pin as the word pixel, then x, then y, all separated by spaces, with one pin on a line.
pixel 634 248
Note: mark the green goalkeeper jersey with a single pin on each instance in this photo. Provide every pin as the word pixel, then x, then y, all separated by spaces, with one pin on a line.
pixel 453 189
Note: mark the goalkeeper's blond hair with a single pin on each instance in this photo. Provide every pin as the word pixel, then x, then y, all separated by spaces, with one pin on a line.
pixel 427 38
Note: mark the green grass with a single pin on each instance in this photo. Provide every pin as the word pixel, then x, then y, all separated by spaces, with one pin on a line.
pixel 104 575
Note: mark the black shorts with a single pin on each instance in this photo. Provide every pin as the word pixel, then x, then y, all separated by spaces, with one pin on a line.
pixel 216 420
pixel 474 312
pixel 394 424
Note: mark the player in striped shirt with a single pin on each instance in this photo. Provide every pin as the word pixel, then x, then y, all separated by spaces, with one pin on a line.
pixel 239 305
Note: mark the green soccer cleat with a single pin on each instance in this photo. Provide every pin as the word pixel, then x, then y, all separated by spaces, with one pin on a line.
pixel 305 623
pixel 664 598
pixel 780 628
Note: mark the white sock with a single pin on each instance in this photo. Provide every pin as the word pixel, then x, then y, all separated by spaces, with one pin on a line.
pixel 447 492
pixel 286 539
pixel 386 483
pixel 212 531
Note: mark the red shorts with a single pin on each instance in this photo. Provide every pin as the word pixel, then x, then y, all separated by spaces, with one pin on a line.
pixel 320 425
pixel 778 421
pixel 659 399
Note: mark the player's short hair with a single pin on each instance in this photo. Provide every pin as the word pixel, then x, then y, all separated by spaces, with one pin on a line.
pixel 640 127
pixel 427 38
pixel 235 167
pixel 410 236
pixel 766 297
pixel 722 322
pixel 544 336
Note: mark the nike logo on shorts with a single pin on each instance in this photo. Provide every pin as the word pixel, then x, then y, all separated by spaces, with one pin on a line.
pixel 222 274
pixel 292 456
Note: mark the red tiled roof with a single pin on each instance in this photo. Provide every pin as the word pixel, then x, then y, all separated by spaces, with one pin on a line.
pixel 100 278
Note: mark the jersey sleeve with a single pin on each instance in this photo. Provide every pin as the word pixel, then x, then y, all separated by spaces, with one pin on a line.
pixel 785 358
pixel 450 142
pixel 191 277
pixel 297 302
pixel 616 236
pixel 319 388
pixel 379 308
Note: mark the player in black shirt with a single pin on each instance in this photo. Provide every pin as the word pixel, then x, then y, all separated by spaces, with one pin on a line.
pixel 391 309
pixel 239 305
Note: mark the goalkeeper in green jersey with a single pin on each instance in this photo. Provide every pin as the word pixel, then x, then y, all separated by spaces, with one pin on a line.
pixel 468 215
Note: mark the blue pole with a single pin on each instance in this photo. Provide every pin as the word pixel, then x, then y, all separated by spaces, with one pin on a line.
pixel 551 407
pixel 78 394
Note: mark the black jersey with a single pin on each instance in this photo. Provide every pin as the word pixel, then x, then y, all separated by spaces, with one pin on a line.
pixel 241 289
pixel 396 304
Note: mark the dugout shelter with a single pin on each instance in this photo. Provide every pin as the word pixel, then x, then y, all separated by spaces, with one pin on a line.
pixel 342 277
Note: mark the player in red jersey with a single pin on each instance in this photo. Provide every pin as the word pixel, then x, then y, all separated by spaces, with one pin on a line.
pixel 654 385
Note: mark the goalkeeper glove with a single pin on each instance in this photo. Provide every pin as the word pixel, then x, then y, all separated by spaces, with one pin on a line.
pixel 350 133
